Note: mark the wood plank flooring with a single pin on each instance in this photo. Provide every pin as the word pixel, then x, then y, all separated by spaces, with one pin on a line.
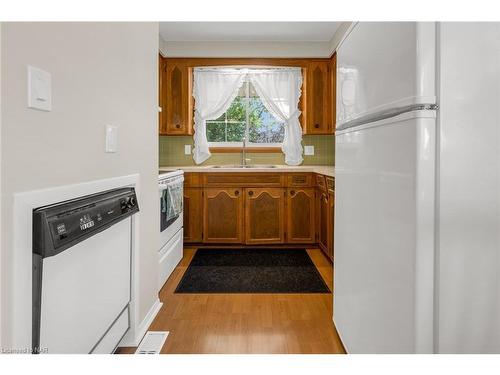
pixel 247 323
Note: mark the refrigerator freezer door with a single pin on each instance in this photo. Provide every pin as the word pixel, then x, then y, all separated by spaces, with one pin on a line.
pixel 385 65
pixel 384 235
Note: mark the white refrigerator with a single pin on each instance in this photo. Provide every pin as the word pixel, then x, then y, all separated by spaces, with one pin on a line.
pixel 416 104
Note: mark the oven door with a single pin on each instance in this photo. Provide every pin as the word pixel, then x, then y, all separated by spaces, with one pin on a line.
pixel 171 209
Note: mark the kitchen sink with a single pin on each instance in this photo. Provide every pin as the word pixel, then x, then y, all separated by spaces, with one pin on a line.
pixel 249 166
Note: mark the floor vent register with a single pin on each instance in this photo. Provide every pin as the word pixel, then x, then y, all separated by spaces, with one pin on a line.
pixel 152 342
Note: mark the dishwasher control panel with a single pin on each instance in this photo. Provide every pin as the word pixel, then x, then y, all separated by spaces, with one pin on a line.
pixel 60 226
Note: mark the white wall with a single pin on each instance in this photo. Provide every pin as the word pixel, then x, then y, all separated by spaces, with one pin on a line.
pixel 468 250
pixel 245 49
pixel 102 73
pixel 254 49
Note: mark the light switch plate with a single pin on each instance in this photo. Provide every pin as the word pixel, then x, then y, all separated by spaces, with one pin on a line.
pixel 309 150
pixel 39 89
pixel 187 149
pixel 111 138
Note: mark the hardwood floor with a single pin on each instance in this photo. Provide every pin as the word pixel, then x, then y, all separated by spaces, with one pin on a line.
pixel 247 323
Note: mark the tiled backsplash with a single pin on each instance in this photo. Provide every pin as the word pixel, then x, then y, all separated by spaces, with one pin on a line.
pixel 172 153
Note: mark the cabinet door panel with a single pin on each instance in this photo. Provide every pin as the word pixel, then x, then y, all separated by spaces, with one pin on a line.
pixel 331 223
pixel 333 94
pixel 223 215
pixel 322 205
pixel 318 98
pixel 192 218
pixel 264 215
pixel 161 94
pixel 300 215
pixel 177 83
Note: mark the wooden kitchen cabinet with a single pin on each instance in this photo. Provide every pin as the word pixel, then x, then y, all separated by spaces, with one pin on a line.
pixel 319 98
pixel 177 118
pixel 322 206
pixel 333 93
pixel 161 89
pixel 331 224
pixel 300 215
pixel 223 215
pixel 264 215
pixel 325 206
pixel 192 218
pixel 317 103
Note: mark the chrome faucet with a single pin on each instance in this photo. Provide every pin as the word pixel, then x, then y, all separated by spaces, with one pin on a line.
pixel 243 153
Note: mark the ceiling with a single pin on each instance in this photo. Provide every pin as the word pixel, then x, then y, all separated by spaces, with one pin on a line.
pixel 248 31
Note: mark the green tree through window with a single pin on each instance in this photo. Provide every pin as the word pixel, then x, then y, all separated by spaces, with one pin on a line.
pixel 247 116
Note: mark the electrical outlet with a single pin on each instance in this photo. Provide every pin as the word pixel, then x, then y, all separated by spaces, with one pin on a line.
pixel 309 150
pixel 187 149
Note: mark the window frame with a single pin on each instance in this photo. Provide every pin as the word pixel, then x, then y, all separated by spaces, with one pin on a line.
pixel 220 146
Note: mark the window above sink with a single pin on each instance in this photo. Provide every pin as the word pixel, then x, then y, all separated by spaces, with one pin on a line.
pixel 246 117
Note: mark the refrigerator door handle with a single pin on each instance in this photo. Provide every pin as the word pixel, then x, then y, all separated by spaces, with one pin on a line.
pixel 382 115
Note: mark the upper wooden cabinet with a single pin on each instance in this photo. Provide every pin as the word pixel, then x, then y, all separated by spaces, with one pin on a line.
pixel 300 209
pixel 161 71
pixel 333 93
pixel 320 92
pixel 317 103
pixel 223 215
pixel 264 215
pixel 177 118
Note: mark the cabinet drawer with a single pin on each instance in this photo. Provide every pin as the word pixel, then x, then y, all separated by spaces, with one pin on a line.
pixel 320 182
pixel 299 179
pixel 192 179
pixel 330 184
pixel 244 179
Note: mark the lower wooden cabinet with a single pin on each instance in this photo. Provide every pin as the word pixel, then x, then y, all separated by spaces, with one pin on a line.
pixel 264 215
pixel 223 215
pixel 323 220
pixel 295 210
pixel 192 215
pixel 300 215
pixel 331 223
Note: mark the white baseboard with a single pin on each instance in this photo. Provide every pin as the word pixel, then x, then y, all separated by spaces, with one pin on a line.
pixel 140 331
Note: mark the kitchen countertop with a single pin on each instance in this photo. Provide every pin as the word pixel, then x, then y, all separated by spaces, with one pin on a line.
pixel 321 169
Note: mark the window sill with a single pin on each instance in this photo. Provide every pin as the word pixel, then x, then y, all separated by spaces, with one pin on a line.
pixel 222 150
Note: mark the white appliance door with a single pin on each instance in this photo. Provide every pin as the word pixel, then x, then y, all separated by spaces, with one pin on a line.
pixel 385 65
pixel 469 203
pixel 384 235
pixel 84 289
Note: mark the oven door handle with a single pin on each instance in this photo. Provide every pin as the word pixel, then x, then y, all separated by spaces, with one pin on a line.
pixel 163 186
pixel 177 181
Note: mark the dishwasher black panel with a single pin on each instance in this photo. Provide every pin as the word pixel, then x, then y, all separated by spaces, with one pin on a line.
pixel 59 226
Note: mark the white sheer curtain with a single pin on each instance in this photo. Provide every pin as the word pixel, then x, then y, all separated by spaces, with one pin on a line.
pixel 213 93
pixel 280 92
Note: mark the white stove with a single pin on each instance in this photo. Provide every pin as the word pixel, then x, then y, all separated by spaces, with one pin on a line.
pixel 170 186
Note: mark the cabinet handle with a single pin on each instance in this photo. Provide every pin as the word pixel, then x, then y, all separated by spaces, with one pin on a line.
pixel 236 192
pixel 316 126
pixel 177 126
pixel 250 193
pixel 292 193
